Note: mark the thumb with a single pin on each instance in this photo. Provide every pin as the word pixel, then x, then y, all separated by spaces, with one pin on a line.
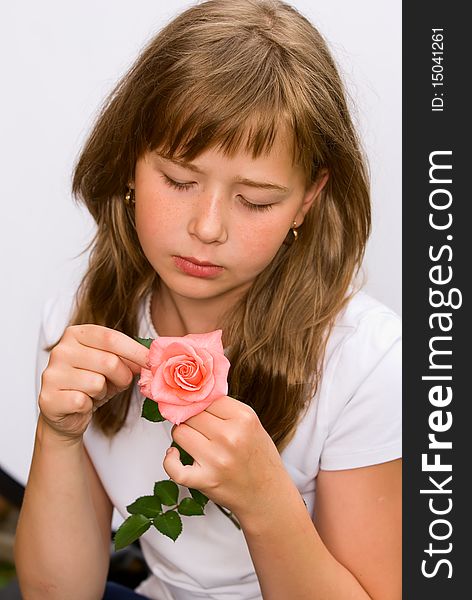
pixel 133 367
pixel 172 465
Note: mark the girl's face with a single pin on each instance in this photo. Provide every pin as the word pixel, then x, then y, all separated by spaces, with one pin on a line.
pixel 231 212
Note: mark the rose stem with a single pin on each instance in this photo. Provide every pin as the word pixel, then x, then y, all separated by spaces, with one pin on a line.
pixel 229 515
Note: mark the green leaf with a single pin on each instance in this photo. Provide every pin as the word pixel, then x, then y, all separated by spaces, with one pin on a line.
pixel 149 506
pixel 144 341
pixel 190 507
pixel 185 457
pixel 198 496
pixel 168 491
pixel 131 530
pixel 169 523
pixel 151 411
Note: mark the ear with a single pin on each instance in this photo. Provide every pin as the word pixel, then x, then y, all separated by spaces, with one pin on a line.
pixel 311 194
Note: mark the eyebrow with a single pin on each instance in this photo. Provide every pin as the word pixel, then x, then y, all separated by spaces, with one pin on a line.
pixel 265 185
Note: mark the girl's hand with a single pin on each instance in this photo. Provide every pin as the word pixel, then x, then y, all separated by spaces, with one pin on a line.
pixel 236 463
pixel 89 365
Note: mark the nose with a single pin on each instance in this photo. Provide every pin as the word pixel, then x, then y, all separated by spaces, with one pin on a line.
pixel 208 221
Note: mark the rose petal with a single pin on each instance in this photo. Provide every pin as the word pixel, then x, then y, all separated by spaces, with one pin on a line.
pixel 179 359
pixel 221 366
pixel 179 396
pixel 208 381
pixel 194 378
pixel 188 373
pixel 144 382
pixel 178 414
pixel 189 383
pixel 164 387
pixel 175 349
pixel 182 372
pixel 187 368
pixel 168 372
pixel 159 349
pixel 210 341
pixel 161 391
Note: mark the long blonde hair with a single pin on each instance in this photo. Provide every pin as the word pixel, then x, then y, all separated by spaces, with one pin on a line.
pixel 230 74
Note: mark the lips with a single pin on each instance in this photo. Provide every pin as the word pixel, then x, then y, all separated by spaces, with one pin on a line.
pixel 202 263
pixel 197 269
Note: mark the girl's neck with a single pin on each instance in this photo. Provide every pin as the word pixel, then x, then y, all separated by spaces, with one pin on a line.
pixel 174 315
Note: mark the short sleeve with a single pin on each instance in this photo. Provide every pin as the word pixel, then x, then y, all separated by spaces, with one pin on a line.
pixel 42 358
pixel 368 429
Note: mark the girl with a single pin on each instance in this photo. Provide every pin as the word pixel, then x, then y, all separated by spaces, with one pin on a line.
pixel 229 192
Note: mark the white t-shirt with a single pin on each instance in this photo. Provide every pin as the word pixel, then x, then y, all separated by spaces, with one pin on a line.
pixel 353 421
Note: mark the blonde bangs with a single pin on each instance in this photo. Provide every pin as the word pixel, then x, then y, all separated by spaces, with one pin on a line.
pixel 185 132
pixel 235 94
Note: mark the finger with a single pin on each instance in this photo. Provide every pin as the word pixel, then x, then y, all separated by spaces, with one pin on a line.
pixel 71 401
pixel 105 363
pixel 132 366
pixel 186 475
pixel 207 424
pixel 110 340
pixel 192 441
pixel 91 383
pixel 226 407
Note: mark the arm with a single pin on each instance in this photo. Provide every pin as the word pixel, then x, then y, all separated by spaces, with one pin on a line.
pixel 355 553
pixel 352 551
pixel 62 545
pixel 64 526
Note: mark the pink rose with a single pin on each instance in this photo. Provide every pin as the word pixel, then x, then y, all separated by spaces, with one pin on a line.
pixel 186 374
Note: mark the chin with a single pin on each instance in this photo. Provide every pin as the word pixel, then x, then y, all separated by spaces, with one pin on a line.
pixel 194 287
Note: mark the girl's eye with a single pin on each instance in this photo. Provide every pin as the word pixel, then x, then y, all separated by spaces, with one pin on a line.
pixel 176 184
pixel 185 186
pixel 256 207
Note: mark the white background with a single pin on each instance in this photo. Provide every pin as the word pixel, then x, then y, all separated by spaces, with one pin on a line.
pixel 59 61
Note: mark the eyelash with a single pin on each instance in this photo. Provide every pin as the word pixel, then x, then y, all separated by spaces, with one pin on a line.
pixel 185 186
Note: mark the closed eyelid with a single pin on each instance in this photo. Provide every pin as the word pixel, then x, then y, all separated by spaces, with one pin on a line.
pixel 186 186
pixel 263 185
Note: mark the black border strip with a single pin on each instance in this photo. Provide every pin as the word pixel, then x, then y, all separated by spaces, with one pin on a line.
pixel 436 273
